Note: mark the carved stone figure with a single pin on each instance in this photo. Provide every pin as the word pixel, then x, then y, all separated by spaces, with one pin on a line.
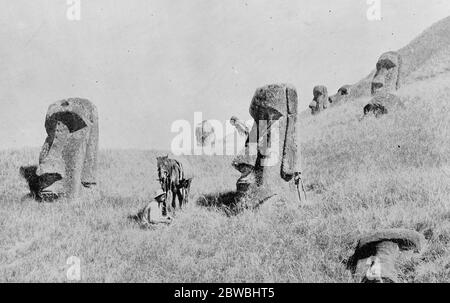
pixel 341 95
pixel 382 104
pixel 320 100
pixel 269 161
pixel 387 77
pixel 376 254
pixel 68 159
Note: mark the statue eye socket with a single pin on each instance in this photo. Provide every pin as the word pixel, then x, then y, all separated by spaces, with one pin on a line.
pixel 71 120
pixel 386 63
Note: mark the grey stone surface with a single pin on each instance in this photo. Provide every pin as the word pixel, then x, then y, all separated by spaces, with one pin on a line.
pixel 387 77
pixel 376 254
pixel 269 161
pixel 382 104
pixel 70 149
pixel 342 95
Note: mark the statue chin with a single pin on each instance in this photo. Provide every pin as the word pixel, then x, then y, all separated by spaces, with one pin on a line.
pixel 52 192
pixel 245 181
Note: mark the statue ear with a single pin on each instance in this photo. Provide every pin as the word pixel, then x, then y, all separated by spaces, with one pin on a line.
pixel 399 72
pixel 289 160
pixel 89 174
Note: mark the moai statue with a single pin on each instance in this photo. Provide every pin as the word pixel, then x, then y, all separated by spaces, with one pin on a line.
pixel 269 163
pixel 205 134
pixel 387 77
pixel 341 96
pixel 376 254
pixel 382 104
pixel 320 101
pixel 68 159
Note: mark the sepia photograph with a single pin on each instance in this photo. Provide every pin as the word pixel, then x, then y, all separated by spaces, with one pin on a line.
pixel 224 141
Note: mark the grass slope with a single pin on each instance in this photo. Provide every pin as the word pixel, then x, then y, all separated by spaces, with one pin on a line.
pixel 427 56
pixel 362 175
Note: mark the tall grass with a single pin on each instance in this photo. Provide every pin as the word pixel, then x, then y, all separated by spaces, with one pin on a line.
pixel 362 175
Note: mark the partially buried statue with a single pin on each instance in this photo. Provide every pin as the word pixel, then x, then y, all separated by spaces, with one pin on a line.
pixel 68 159
pixel 269 164
pixel 387 77
pixel 386 81
pixel 341 96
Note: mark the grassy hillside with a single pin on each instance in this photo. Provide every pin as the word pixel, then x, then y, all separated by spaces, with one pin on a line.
pixel 427 56
pixel 361 175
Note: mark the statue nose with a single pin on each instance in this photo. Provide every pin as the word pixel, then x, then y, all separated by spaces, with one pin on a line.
pixel 52 164
pixel 51 160
pixel 379 80
pixel 377 85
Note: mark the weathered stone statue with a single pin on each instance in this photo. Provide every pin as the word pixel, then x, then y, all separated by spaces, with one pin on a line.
pixel 341 95
pixel 382 104
pixel 68 158
pixel 269 161
pixel 386 81
pixel 387 77
pixel 376 254
pixel 320 101
pixel 205 134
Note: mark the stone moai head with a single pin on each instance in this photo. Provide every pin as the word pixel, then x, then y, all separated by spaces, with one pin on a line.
pixel 70 149
pixel 205 134
pixel 377 254
pixel 387 77
pixel 341 95
pixel 320 100
pixel 269 161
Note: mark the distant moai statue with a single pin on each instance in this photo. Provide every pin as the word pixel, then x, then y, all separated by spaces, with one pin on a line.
pixel 269 163
pixel 205 134
pixel 387 77
pixel 382 104
pixel 341 95
pixel 320 100
pixel 68 159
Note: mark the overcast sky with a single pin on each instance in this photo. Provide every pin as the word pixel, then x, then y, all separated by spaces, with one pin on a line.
pixel 146 63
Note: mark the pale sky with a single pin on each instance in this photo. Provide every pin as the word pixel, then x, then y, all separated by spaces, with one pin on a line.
pixel 147 63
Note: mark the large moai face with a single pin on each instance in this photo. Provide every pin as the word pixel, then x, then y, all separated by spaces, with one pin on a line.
pixel 320 99
pixel 71 147
pixel 269 160
pixel 387 77
pixel 205 134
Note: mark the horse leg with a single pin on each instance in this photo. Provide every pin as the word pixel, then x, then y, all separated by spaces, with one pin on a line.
pixel 174 196
pixel 164 207
pixel 180 196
